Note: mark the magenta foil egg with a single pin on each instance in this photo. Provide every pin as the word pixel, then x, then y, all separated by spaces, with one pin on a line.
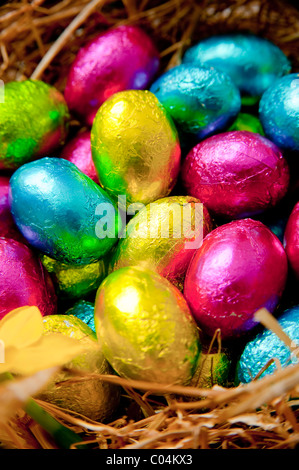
pixel 78 151
pixel 240 268
pixel 8 228
pixel 121 59
pixel 291 240
pixel 236 174
pixel 23 280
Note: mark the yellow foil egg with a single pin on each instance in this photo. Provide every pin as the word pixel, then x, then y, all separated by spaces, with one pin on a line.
pixel 164 236
pixel 145 327
pixel 90 397
pixel 135 147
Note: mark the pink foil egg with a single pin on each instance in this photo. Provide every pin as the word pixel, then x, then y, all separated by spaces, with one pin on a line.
pixel 8 228
pixel 23 280
pixel 240 268
pixel 78 151
pixel 236 174
pixel 291 240
pixel 123 58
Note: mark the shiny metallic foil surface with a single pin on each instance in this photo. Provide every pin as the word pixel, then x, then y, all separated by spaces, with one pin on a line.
pixel 266 346
pixel 78 151
pixel 135 147
pixel 83 310
pixel 74 282
pixel 160 237
pixel 200 100
pixel 145 327
pixel 33 122
pixel 236 174
pixel 247 122
pixel 213 369
pixel 279 112
pixel 240 268
pixel 123 58
pixel 8 228
pixel 90 397
pixel 252 62
pixel 291 240
pixel 55 207
pixel 24 281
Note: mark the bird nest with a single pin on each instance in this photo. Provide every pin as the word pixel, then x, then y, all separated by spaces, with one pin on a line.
pixel 39 39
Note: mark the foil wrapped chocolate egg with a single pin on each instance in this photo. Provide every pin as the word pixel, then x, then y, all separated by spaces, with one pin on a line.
pixel 8 228
pixel 252 62
pixel 74 282
pixel 63 213
pixel 33 122
pixel 123 58
pixel 145 327
pixel 291 239
pixel 213 369
pixel 24 281
pixel 135 147
pixel 83 310
pixel 240 268
pixel 266 346
pixel 236 174
pixel 201 101
pixel 164 236
pixel 279 113
pixel 78 151
pixel 90 396
pixel 247 122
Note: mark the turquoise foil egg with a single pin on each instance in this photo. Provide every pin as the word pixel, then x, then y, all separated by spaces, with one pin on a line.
pixel 62 212
pixel 252 62
pixel 279 112
pixel 83 310
pixel 266 346
pixel 200 100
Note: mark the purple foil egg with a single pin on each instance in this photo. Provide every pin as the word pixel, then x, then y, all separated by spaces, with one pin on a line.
pixel 78 151
pixel 24 281
pixel 236 174
pixel 8 228
pixel 123 58
pixel 291 240
pixel 240 268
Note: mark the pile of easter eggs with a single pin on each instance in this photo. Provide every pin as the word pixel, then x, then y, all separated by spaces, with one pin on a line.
pixel 169 217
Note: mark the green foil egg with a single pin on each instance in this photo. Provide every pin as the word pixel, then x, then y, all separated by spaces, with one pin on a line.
pixel 164 236
pixel 63 213
pixel 91 397
pixel 74 282
pixel 213 369
pixel 135 147
pixel 33 122
pixel 145 327
pixel 247 122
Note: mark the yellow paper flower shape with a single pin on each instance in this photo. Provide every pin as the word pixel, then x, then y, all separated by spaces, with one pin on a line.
pixel 24 350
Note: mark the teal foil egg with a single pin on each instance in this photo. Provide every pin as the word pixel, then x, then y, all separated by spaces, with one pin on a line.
pixel 279 112
pixel 33 122
pixel 266 346
pixel 201 101
pixel 252 62
pixel 83 310
pixel 62 212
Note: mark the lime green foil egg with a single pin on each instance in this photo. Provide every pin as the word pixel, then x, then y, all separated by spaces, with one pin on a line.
pixel 213 369
pixel 135 147
pixel 247 122
pixel 164 236
pixel 33 122
pixel 145 327
pixel 74 282
pixel 90 396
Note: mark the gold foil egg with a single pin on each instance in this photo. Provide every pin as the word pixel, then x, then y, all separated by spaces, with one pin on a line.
pixel 90 397
pixel 135 147
pixel 164 236
pixel 145 327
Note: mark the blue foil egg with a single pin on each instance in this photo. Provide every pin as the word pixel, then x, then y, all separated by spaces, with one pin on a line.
pixel 266 346
pixel 279 112
pixel 62 212
pixel 83 310
pixel 200 100
pixel 252 62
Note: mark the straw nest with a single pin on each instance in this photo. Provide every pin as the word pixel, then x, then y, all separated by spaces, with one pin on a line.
pixel 40 39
